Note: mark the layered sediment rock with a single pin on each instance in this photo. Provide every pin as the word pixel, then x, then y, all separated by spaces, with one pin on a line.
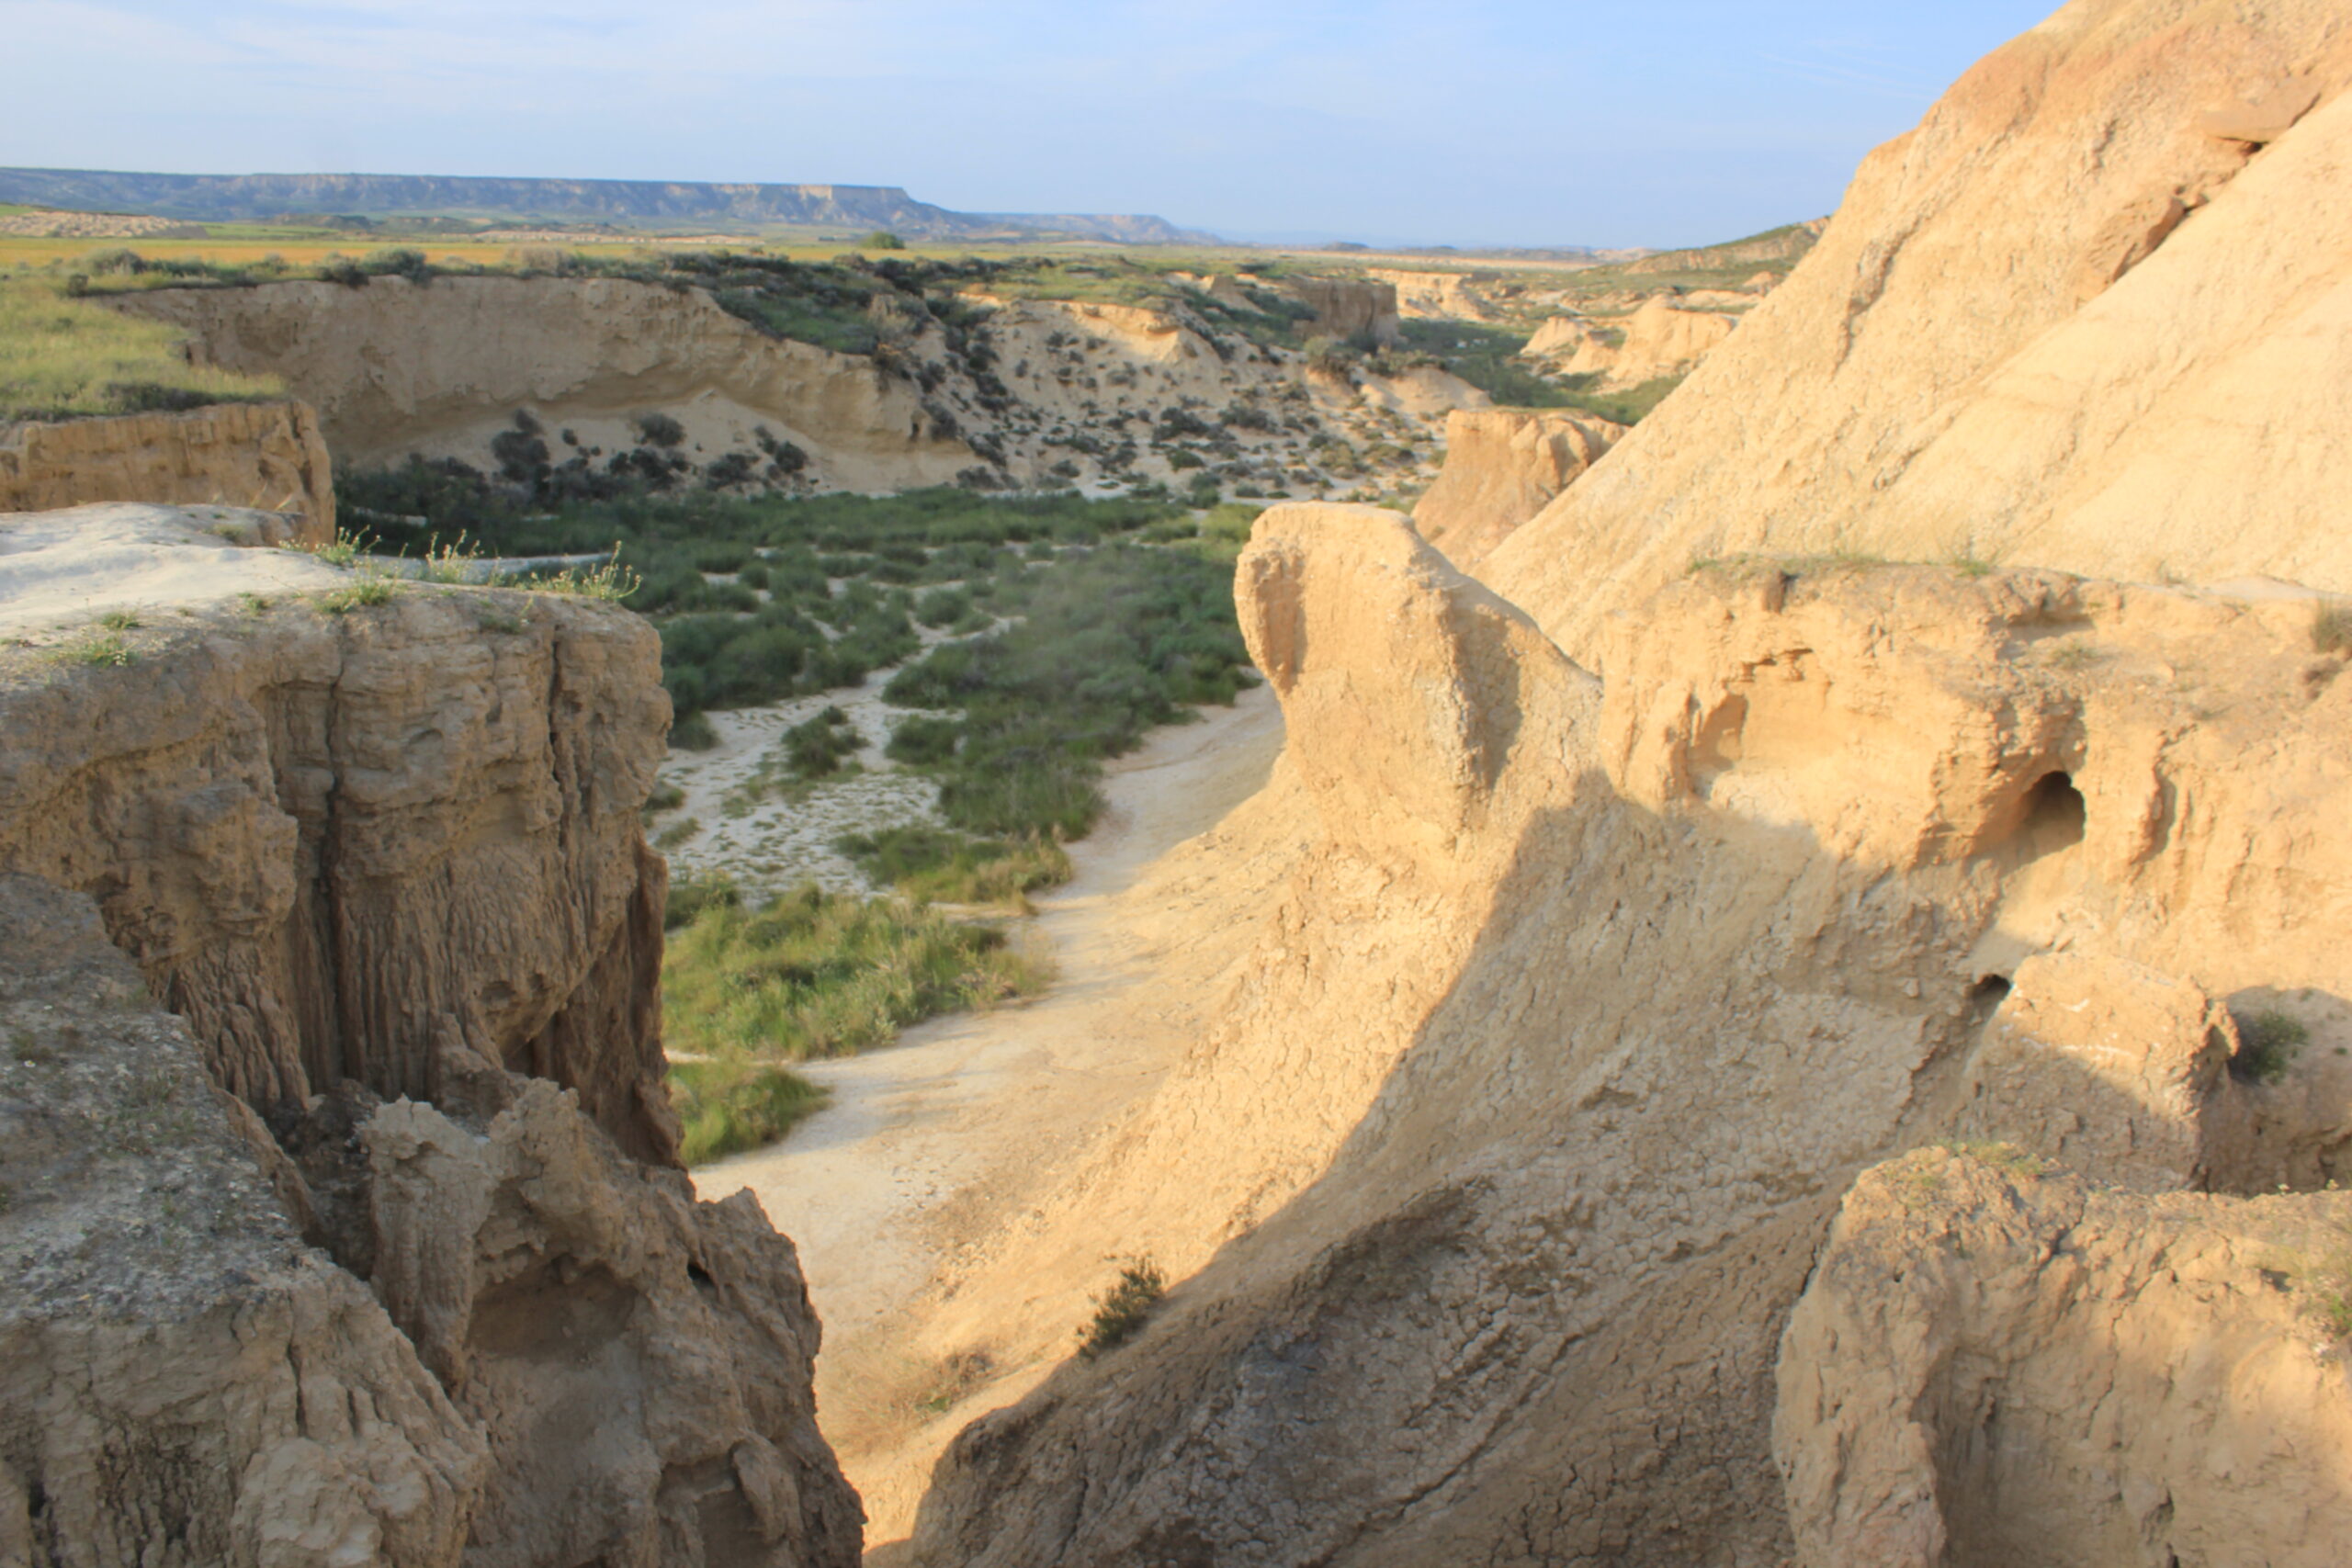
pixel 342 845
pixel 268 456
pixel 2130 365
pixel 374 850
pixel 1502 465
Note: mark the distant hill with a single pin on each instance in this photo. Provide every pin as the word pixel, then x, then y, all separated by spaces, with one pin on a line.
pixel 628 203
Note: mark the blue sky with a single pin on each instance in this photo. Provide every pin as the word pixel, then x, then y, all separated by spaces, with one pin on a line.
pixel 1468 121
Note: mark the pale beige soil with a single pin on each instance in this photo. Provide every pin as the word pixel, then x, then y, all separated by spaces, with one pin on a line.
pixel 934 1145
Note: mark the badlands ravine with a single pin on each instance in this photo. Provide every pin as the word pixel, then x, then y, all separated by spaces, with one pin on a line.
pixel 937 1142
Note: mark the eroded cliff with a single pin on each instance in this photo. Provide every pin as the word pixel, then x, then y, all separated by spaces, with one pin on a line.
pixel 378 853
pixel 2073 320
pixel 268 455
pixel 1586 1002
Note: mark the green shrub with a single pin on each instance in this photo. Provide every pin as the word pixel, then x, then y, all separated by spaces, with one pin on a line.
pixel 944 606
pixel 816 747
pixel 727 1107
pixel 1121 1312
pixel 922 742
pixel 883 240
pixel 2332 628
pixel 694 733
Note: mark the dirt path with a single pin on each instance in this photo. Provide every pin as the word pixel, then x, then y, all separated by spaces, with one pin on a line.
pixel 932 1142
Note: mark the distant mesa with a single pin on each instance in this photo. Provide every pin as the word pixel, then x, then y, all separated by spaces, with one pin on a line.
pixel 850 209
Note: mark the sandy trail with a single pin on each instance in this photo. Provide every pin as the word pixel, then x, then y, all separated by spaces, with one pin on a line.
pixel 929 1145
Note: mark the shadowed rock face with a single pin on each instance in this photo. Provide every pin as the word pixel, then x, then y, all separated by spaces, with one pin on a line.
pixel 372 1250
pixel 1586 1002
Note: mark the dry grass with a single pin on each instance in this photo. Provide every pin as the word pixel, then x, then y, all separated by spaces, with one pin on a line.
pixel 63 359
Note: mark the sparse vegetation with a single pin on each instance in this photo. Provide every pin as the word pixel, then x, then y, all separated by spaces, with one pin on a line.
pixel 99 650
pixel 365 593
pixel 2268 1042
pixel 1121 1312
pixel 2332 627
pixel 812 974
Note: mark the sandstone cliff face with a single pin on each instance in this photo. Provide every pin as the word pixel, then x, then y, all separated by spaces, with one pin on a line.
pixel 397 368
pixel 1502 467
pixel 2059 324
pixel 1585 1002
pixel 268 455
pixel 368 854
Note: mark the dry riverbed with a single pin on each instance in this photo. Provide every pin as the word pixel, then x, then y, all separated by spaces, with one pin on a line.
pixel 929 1145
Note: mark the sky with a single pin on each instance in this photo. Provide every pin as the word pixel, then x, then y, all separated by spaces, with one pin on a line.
pixel 1493 122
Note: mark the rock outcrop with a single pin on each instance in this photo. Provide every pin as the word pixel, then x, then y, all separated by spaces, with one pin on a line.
pixel 268 455
pixel 1585 1002
pixel 1660 339
pixel 373 851
pixel 399 367
pixel 1438 296
pixel 1349 307
pixel 1997 1366
pixel 2128 365
pixel 1502 465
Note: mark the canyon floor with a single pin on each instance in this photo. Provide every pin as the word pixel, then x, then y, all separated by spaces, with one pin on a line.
pixel 934 1143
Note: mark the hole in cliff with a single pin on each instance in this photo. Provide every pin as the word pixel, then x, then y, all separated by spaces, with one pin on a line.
pixel 701 1277
pixel 2056 816
pixel 1986 996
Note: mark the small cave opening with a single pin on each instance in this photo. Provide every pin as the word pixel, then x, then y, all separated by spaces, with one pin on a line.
pixel 1984 997
pixel 2056 816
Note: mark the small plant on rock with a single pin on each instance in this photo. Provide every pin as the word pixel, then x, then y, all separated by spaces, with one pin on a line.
pixel 2267 1044
pixel 1121 1311
pixel 2332 628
